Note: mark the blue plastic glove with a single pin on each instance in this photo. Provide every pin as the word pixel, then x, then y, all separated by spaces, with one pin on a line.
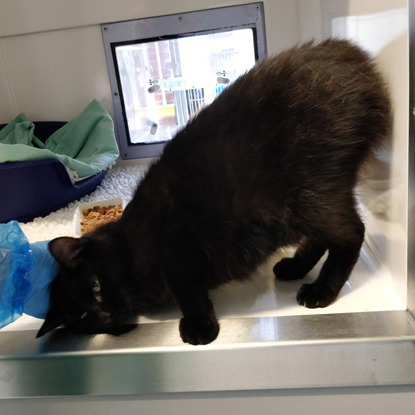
pixel 26 271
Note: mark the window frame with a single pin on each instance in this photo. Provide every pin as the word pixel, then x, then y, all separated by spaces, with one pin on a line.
pixel 165 27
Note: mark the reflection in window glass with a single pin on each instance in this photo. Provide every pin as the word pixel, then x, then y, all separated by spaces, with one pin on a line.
pixel 166 82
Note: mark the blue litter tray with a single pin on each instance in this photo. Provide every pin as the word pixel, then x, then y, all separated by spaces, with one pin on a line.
pixel 29 189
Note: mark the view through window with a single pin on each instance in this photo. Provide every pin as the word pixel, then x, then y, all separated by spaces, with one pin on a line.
pixel 166 82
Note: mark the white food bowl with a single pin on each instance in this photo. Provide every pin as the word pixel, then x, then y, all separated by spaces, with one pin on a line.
pixel 78 218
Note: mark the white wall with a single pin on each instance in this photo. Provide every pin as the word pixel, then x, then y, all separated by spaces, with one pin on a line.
pixel 52 61
pixel 382 28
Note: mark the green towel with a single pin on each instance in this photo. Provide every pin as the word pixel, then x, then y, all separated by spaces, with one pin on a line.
pixel 86 145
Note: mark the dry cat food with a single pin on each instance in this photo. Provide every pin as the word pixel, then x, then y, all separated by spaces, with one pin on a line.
pixel 98 216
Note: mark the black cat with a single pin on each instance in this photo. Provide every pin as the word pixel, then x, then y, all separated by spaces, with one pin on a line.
pixel 273 161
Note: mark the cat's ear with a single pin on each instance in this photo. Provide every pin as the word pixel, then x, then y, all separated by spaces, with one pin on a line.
pixel 66 250
pixel 54 319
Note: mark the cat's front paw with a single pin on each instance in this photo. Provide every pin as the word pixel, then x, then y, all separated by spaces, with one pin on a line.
pixel 199 329
pixel 315 295
pixel 288 269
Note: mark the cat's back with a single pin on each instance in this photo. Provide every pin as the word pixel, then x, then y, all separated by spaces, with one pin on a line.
pixel 333 85
pixel 314 68
pixel 334 81
pixel 313 111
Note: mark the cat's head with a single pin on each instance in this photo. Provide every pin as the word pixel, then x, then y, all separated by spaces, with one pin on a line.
pixel 92 289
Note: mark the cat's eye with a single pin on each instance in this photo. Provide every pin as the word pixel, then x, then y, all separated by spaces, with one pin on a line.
pixel 96 286
pixel 84 315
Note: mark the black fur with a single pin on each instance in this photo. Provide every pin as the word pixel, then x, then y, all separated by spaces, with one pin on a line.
pixel 273 161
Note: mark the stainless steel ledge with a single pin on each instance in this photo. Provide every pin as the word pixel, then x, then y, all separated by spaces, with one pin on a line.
pixel 375 348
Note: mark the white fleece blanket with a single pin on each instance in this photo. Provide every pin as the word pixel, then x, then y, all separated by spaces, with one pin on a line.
pixel 120 181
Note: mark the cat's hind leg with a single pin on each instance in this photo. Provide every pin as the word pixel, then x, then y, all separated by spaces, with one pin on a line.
pixel 344 239
pixel 305 258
